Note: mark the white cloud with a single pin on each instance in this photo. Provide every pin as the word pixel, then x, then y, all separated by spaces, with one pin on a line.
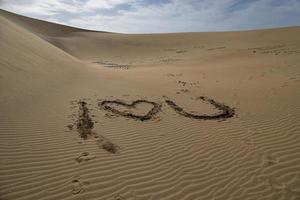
pixel 39 7
pixel 173 16
pixel 55 7
pixel 206 15
pixel 103 4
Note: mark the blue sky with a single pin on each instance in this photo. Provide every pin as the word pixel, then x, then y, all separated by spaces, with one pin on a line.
pixel 157 16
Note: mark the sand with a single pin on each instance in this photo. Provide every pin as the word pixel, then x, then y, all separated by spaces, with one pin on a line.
pixel 58 142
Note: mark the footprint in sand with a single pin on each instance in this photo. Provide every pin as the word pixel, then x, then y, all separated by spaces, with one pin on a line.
pixel 119 197
pixel 285 84
pixel 77 186
pixel 277 185
pixel 107 145
pixel 85 156
pixel 269 160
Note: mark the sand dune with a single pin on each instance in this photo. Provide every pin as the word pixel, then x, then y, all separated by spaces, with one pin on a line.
pixel 58 141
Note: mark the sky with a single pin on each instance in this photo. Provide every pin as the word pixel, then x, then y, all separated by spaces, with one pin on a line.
pixel 161 16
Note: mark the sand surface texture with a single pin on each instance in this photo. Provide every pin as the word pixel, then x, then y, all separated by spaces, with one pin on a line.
pixel 187 116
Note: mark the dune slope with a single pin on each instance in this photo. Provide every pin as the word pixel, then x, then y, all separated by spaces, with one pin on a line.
pixel 59 141
pixel 28 64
